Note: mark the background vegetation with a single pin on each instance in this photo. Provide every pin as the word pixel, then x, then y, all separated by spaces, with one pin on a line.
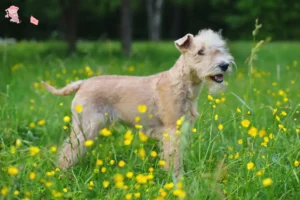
pixel 245 144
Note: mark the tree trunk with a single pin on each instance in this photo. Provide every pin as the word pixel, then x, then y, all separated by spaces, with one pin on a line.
pixel 176 24
pixel 126 27
pixel 154 13
pixel 69 14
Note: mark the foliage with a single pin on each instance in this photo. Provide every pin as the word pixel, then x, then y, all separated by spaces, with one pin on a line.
pixel 231 152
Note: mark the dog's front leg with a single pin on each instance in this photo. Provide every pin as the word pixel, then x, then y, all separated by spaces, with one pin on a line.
pixel 171 151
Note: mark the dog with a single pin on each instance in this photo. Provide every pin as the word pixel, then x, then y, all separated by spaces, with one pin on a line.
pixel 168 96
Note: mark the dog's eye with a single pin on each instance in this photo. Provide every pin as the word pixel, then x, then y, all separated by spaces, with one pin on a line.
pixel 201 52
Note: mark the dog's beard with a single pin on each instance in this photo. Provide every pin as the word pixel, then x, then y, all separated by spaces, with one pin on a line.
pixel 214 87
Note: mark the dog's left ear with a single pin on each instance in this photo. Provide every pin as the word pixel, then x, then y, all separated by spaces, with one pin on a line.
pixel 184 43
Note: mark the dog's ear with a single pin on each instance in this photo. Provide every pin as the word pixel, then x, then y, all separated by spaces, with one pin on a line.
pixel 184 43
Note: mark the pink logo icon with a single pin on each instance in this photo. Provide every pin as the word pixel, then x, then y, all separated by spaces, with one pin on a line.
pixel 34 20
pixel 12 12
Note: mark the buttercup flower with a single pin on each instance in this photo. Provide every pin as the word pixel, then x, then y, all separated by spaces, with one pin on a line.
pixel 267 182
pixel 250 165
pixel 142 108
pixel 12 171
pixel 245 123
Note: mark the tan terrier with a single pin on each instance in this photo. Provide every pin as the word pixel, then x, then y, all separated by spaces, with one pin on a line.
pixel 168 96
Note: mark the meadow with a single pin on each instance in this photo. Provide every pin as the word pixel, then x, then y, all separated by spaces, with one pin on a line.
pixel 245 144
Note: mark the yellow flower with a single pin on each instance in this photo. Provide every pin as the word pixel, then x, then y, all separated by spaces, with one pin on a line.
pixel 137 119
pixel 220 127
pixel 296 163
pixel 89 143
pixel 12 170
pixel 78 108
pixel 259 173
pixel 138 126
pixel 32 175
pixel 161 163
pixel 218 101
pixel 137 195
pixel 142 137
pixel 4 191
pixel 141 179
pixel 262 133
pixel 16 192
pixel 18 142
pixel 142 108
pixel 99 162
pixel 266 139
pixel 53 149
pixel 131 68
pixel 128 196
pixel 238 110
pixel 105 132
pixel 245 123
pixel 252 131
pixel 129 174
pixel 179 193
pixel 216 117
pixel 103 169
pixel 67 119
pixel 277 118
pixel 267 182
pixel 41 122
pixel 105 184
pixel 118 178
pixel 34 150
pixel 209 97
pixel 250 165
pixel 32 125
pixel 142 153
pixel 280 126
pixel 194 130
pixel 122 163
pixel 283 113
pixel 169 186
pixel 153 154
pixel 111 162
pixel 65 190
pixel 13 149
pixel 240 141
pixel 151 169
pixel 51 173
pixel 271 136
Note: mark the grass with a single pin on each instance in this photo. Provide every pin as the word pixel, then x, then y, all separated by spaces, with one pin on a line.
pixel 222 157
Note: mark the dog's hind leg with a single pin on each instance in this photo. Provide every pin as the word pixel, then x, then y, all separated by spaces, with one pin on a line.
pixel 85 126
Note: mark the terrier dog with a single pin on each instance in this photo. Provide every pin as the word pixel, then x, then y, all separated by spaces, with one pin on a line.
pixel 168 95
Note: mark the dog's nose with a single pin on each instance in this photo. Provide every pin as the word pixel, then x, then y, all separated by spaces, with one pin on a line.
pixel 224 66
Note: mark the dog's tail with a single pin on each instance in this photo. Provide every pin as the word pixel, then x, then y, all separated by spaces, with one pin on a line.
pixel 69 89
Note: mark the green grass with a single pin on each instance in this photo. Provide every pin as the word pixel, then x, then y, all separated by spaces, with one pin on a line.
pixel 215 164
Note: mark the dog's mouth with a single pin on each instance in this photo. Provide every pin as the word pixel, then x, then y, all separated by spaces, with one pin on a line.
pixel 219 78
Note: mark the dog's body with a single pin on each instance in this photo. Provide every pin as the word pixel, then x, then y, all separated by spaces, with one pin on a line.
pixel 168 96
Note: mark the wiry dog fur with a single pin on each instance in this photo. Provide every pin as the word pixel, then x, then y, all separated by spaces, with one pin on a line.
pixel 168 96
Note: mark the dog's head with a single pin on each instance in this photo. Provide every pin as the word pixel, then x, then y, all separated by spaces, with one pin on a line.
pixel 207 57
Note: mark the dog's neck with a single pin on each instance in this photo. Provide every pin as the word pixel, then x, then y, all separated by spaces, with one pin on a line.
pixel 182 71
pixel 182 76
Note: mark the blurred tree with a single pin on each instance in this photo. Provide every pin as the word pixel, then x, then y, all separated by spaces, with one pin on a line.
pixel 154 15
pixel 69 14
pixel 126 27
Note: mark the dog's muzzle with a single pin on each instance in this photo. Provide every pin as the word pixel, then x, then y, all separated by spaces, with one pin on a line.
pixel 224 66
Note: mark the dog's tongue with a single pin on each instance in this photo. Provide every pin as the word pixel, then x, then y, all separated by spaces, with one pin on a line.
pixel 219 77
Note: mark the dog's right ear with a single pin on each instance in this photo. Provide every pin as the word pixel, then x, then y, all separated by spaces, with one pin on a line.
pixel 184 43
